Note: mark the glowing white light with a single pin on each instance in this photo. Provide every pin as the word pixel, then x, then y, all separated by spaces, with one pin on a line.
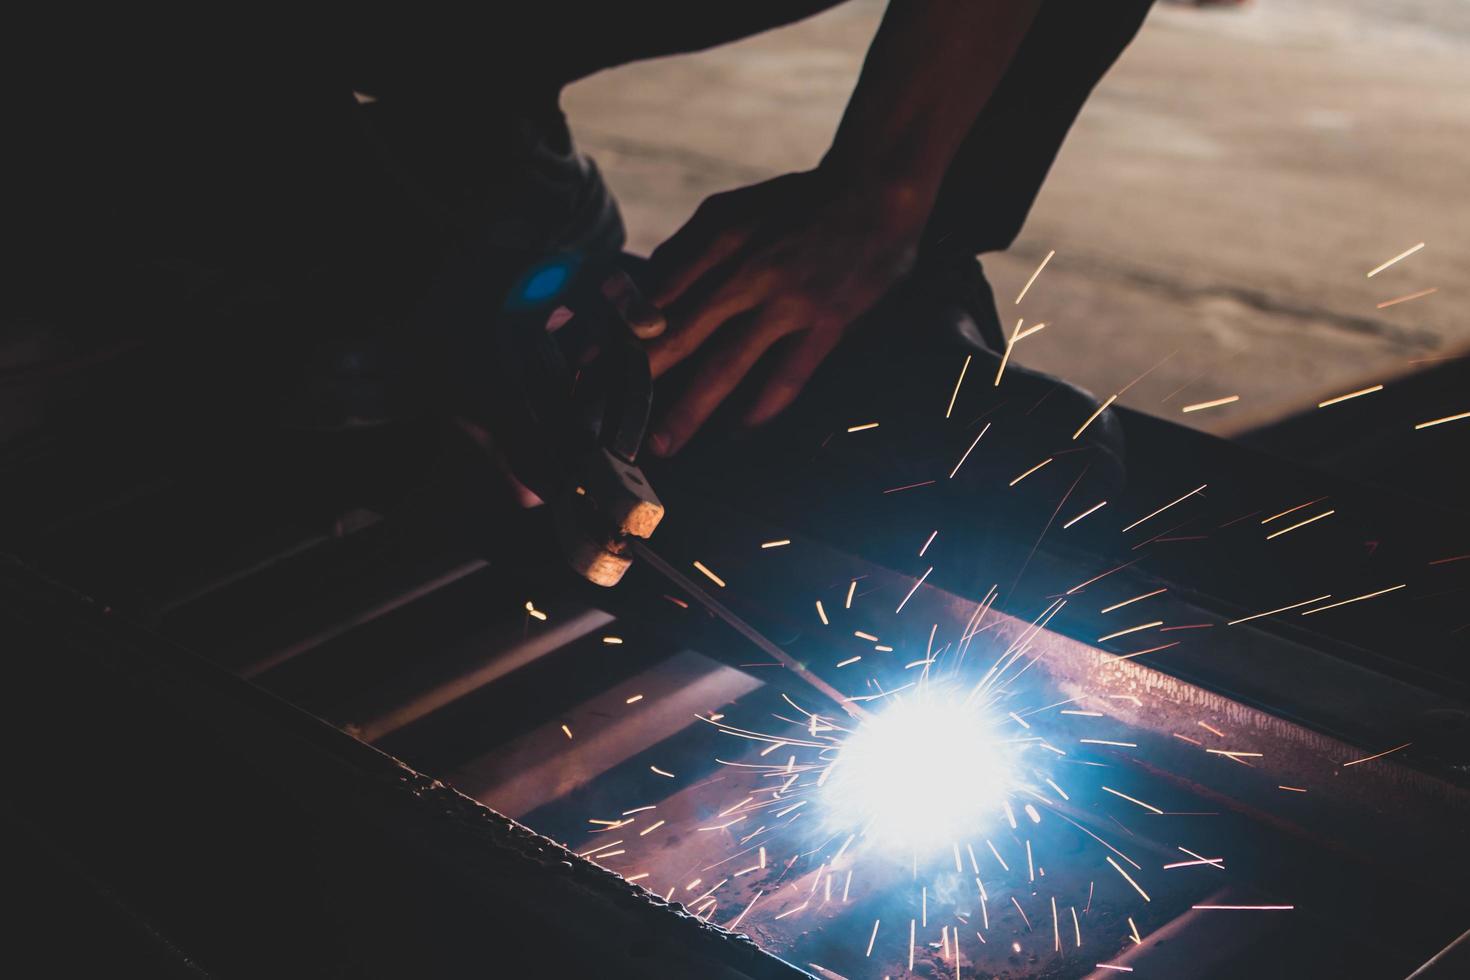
pixel 926 771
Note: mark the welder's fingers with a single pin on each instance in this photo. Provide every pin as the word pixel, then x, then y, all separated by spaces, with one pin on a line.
pixel 794 368
pixel 723 364
pixel 709 237
pixel 693 321
pixel 642 317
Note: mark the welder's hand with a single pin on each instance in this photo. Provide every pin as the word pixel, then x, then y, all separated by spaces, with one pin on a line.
pixel 778 269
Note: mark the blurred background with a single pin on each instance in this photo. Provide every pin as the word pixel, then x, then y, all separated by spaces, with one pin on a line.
pixel 1214 212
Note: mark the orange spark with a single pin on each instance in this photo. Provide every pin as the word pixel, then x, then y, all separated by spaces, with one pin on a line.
pixel 1397 258
pixel 1126 877
pixel 968 451
pixel 1272 612
pixel 1125 602
pixel 1006 356
pixel 1146 806
pixel 1404 299
pixel 1093 417
pixel 1095 507
pixel 958 381
pixel 1131 629
pixel 1216 403
pixel 1021 295
pixel 1139 653
pixel 1380 755
pixel 1351 394
pixel 1163 508
pixel 1447 418
pixel 1293 527
pixel 732 925
pixel 912 591
pixel 1032 470
pixel 1370 595
pixel 709 574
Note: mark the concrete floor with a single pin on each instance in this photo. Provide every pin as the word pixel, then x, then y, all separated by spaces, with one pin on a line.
pixel 1216 207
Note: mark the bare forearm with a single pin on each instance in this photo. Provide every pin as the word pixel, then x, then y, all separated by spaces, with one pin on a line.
pixel 930 70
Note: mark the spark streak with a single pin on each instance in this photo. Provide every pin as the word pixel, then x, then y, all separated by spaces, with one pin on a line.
pixel 1272 612
pixel 1131 629
pixel 1447 418
pixel 1127 877
pixel 1125 602
pixel 1022 294
pixel 1093 417
pixel 1147 806
pixel 1370 595
pixel 1216 403
pixel 912 591
pixel 862 428
pixel 1006 356
pixel 732 925
pixel 1095 507
pixel 1378 756
pixel 1163 508
pixel 1397 258
pixel 1352 394
pixel 709 574
pixel 1404 299
pixel 968 451
pixel 1032 470
pixel 1293 527
pixel 958 381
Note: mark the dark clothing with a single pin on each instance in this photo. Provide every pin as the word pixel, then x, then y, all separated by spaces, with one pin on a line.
pixel 163 169
pixel 994 178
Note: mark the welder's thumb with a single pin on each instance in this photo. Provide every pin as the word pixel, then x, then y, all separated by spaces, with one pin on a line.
pixel 642 317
